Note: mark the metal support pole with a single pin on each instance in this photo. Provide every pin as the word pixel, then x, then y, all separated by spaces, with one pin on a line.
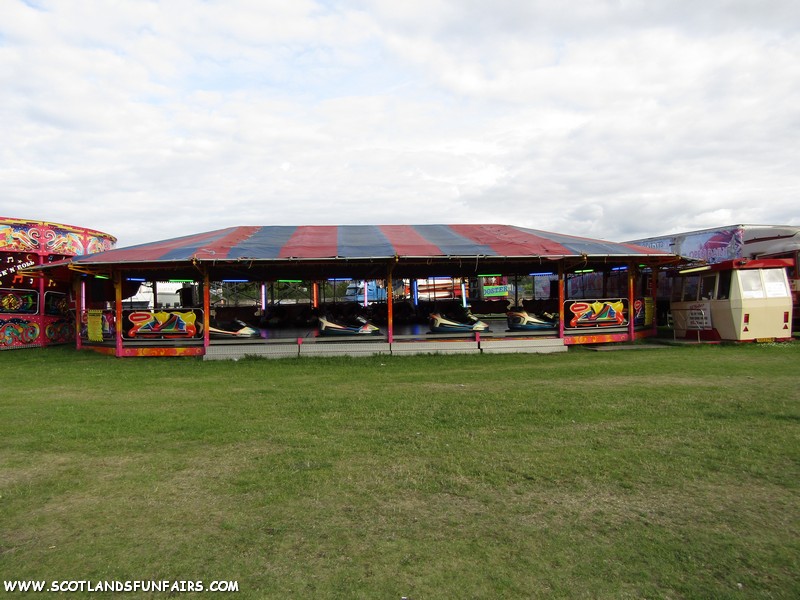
pixel 390 305
pixel 654 295
pixel 631 299
pixel 118 310
pixel 561 300
pixel 206 310
pixel 78 286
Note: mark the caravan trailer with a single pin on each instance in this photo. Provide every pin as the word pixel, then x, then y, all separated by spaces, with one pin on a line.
pixel 729 243
pixel 737 300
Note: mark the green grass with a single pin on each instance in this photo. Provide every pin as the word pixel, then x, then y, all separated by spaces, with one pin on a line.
pixel 671 473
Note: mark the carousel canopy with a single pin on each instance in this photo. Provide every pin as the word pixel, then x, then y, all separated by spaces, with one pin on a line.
pixel 366 250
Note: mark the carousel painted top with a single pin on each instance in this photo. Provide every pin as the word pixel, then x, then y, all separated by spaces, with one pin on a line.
pixel 41 237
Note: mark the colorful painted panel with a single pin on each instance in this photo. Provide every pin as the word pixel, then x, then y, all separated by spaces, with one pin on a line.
pixel 711 246
pixel 27 319
pixel 10 264
pixel 39 237
pixel 17 332
pixel 56 304
pixel 144 324
pixel 597 313
pixel 20 302
pixel 59 330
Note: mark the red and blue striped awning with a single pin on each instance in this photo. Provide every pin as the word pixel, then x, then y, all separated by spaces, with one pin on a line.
pixel 368 242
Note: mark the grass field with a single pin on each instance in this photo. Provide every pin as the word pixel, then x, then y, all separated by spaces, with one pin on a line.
pixel 671 473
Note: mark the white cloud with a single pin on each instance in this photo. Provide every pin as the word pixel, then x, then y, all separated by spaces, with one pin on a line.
pixel 621 119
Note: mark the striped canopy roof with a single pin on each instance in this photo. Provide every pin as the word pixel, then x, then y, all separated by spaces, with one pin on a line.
pixel 351 245
pixel 367 242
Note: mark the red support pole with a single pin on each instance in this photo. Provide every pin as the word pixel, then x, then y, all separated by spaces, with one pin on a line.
pixel 77 287
pixel 206 310
pixel 390 305
pixel 561 300
pixel 40 314
pixel 118 310
pixel 654 294
pixel 631 300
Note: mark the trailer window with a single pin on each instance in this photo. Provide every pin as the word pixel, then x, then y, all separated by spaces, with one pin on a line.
pixel 707 285
pixel 724 286
pixel 751 284
pixel 677 288
pixel 690 285
pixel 775 283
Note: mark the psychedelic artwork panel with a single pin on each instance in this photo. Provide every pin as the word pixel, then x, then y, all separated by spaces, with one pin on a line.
pixel 19 301
pixel 39 237
pixel 598 313
pixel 144 324
pixel 18 332
pixel 36 312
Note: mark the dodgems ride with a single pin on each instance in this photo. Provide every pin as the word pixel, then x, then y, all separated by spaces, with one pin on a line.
pixel 520 320
pixel 236 329
pixel 360 327
pixel 467 322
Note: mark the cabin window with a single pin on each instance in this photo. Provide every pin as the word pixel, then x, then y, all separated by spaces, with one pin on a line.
pixel 724 285
pixel 708 283
pixel 775 283
pixel 690 286
pixel 677 289
pixel 751 284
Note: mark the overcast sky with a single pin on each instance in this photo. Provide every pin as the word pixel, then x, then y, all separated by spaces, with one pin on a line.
pixel 614 119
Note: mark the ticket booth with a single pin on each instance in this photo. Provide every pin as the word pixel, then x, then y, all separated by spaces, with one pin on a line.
pixel 737 300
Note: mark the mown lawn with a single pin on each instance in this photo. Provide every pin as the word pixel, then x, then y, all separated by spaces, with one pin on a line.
pixel 670 473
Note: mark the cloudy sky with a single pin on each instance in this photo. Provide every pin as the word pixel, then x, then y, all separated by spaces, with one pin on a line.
pixel 613 119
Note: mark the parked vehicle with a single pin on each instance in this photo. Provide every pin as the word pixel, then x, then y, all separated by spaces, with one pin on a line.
pixel 374 292
pixel 738 300
pixel 732 242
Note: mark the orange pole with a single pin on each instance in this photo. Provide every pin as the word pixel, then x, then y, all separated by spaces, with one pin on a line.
pixel 118 312
pixel 206 310
pixel 390 306
pixel 78 286
pixel 631 300
pixel 654 294
pixel 561 300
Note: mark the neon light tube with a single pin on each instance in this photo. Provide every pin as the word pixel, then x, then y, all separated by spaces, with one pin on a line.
pixel 695 270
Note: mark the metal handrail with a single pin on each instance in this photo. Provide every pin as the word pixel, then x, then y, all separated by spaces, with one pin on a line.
pixel 671 320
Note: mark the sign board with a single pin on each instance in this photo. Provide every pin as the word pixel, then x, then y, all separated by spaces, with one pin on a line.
pixel 699 316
